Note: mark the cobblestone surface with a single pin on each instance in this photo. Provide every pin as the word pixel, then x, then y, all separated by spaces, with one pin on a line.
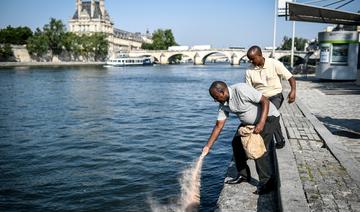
pixel 337 105
pixel 327 185
pixel 240 197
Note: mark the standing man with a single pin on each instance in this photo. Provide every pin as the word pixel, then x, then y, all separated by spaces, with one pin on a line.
pixel 252 108
pixel 265 76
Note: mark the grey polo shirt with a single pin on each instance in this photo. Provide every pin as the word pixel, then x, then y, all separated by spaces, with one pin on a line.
pixel 244 101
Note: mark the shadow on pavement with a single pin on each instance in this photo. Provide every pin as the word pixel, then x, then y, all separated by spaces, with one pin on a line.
pixel 349 128
pixel 331 87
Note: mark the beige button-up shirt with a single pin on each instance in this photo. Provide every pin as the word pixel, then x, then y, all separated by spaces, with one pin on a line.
pixel 267 79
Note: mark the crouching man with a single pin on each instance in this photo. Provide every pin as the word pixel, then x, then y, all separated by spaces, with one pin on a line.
pixel 252 108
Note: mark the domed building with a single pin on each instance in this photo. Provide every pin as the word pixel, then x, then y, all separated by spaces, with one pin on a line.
pixel 91 16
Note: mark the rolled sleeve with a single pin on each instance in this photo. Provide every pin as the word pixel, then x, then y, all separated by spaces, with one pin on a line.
pixel 222 113
pixel 248 78
pixel 282 71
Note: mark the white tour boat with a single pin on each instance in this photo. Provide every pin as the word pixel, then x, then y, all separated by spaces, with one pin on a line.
pixel 124 60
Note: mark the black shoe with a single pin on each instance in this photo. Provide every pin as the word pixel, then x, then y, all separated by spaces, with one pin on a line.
pixel 264 190
pixel 280 145
pixel 238 179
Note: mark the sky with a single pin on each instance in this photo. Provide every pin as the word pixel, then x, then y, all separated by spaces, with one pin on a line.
pixel 220 24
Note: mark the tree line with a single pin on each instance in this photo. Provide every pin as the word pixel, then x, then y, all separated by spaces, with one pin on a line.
pixel 53 40
pixel 162 40
pixel 299 43
pixel 10 35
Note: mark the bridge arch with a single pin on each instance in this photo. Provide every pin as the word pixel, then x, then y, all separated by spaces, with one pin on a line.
pixel 235 56
pixel 244 58
pixel 204 57
pixel 285 59
pixel 239 59
pixel 171 57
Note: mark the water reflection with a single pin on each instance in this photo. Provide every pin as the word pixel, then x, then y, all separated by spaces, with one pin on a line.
pixel 107 139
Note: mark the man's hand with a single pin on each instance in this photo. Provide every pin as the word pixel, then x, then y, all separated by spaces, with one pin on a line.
pixel 291 96
pixel 205 151
pixel 259 127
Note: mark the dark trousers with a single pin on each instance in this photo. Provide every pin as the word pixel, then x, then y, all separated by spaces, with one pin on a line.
pixel 277 100
pixel 264 165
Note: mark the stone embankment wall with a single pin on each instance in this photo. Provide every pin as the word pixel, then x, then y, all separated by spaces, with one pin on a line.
pixel 49 64
pixel 21 53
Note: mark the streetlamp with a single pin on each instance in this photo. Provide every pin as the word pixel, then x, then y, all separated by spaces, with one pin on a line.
pixel 292 44
pixel 274 29
pixel 282 8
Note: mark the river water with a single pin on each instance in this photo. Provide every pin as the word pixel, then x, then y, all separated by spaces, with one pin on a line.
pixel 109 139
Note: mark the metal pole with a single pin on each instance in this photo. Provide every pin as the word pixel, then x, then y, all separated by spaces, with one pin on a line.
pixel 274 35
pixel 292 45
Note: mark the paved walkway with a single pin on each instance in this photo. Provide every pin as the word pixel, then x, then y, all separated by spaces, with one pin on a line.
pixel 337 105
pixel 326 183
pixel 318 170
pixel 240 197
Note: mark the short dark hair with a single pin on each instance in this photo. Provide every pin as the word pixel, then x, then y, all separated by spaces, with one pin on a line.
pixel 254 49
pixel 217 86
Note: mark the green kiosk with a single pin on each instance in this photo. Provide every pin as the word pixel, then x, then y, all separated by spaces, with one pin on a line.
pixel 338 55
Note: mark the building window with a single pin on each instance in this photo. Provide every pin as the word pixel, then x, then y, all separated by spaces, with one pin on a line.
pixel 340 54
pixel 325 52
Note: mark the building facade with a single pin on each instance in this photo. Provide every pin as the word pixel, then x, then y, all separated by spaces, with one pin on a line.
pixel 91 17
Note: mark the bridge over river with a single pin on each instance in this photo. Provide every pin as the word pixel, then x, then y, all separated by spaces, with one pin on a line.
pixel 234 56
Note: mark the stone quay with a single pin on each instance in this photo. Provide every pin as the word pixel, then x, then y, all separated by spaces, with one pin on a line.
pixel 318 169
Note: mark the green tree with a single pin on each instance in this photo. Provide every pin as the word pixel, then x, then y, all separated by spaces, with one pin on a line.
pixel 22 34
pixel 299 43
pixel 86 47
pixel 69 40
pixel 162 39
pixel 286 43
pixel 148 46
pixel 72 44
pixel 55 31
pixel 100 46
pixel 169 38
pixel 6 53
pixel 17 36
pixel 38 44
pixel 76 47
pixel 55 40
